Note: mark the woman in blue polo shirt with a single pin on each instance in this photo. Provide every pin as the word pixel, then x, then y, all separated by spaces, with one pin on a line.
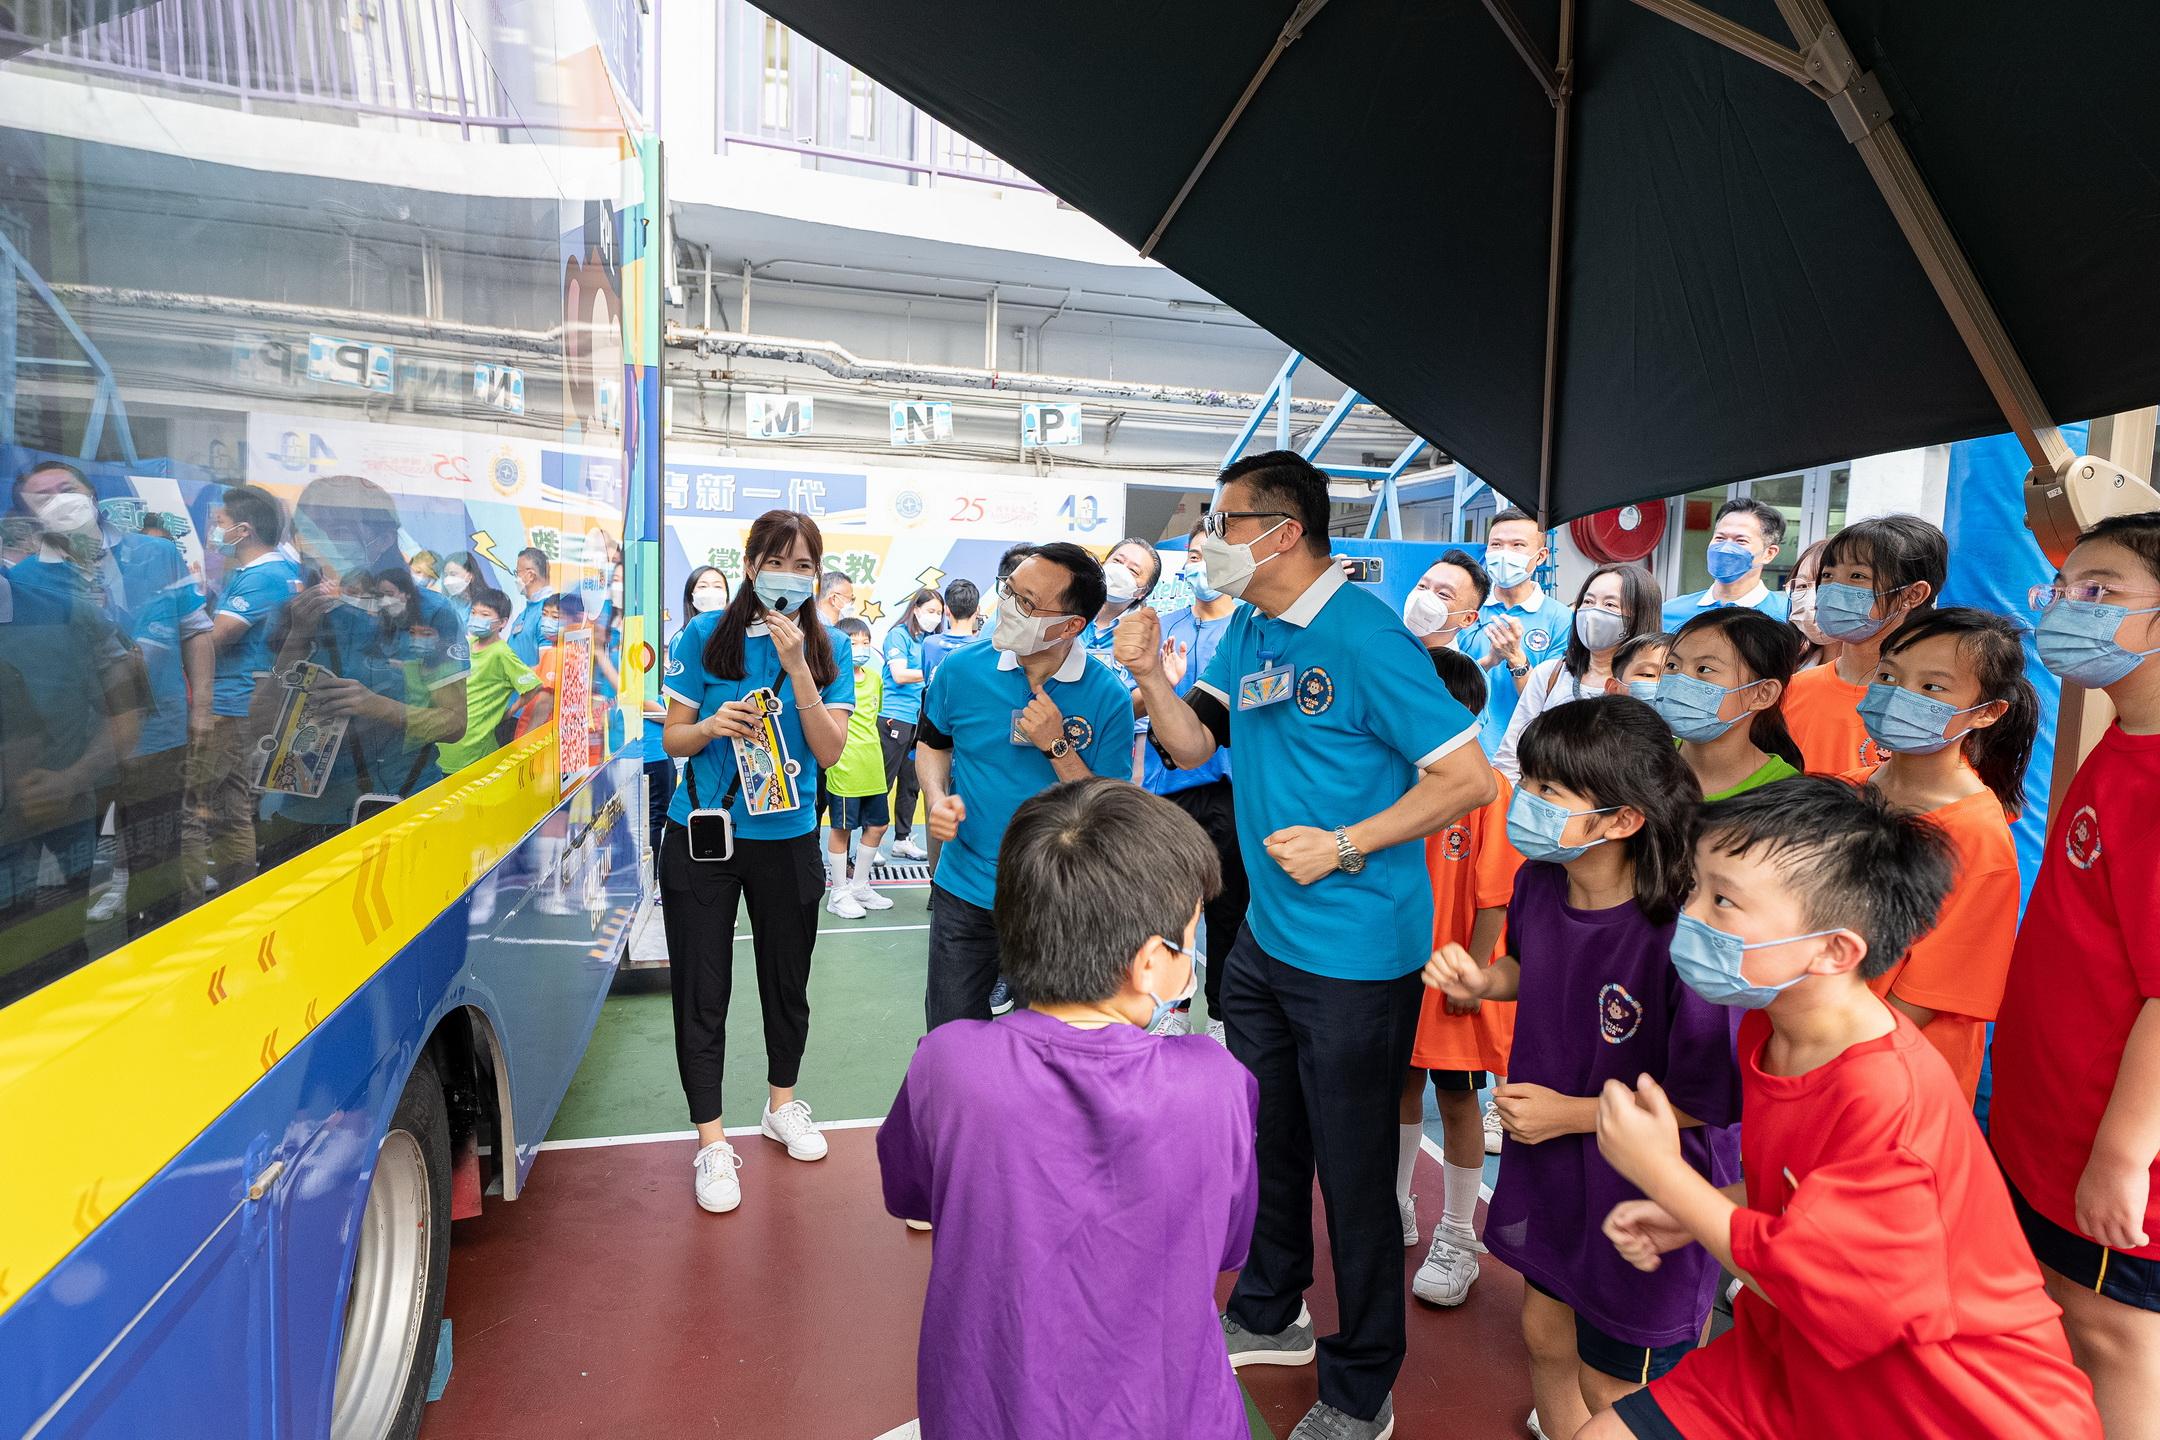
pixel 767 639
pixel 902 709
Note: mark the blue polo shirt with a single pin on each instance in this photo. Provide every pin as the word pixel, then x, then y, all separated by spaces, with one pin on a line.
pixel 935 648
pixel 972 702
pixel 1201 638
pixel 688 680
pixel 255 594
pixel 1546 627
pixel 902 702
pixel 1365 715
pixel 1774 603
pixel 523 636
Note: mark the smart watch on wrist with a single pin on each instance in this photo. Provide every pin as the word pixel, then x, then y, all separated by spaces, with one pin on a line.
pixel 1348 858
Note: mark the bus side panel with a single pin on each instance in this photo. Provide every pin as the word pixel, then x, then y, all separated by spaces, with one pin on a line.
pixel 225 1315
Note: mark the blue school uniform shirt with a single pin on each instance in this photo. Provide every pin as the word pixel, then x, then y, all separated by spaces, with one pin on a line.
pixel 902 702
pixel 1202 638
pixel 936 647
pixel 1365 715
pixel 523 636
pixel 1678 611
pixel 972 703
pixel 687 680
pixel 255 594
pixel 1546 627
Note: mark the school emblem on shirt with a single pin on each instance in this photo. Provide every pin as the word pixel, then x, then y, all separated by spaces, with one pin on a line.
pixel 1455 844
pixel 1537 640
pixel 2081 838
pixel 674 667
pixel 1315 691
pixel 1872 754
pixel 238 604
pixel 1078 733
pixel 1619 1014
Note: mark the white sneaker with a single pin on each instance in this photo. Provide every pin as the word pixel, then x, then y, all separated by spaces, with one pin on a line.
pixel 909 849
pixel 922 1225
pixel 1177 1022
pixel 717 1188
pixel 1219 1033
pixel 109 903
pixel 1409 1222
pixel 1449 1270
pixel 844 904
pixel 1493 1133
pixel 791 1126
pixel 869 898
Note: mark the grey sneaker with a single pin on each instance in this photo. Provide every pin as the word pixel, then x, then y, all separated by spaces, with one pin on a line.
pixel 1325 1422
pixel 1293 1346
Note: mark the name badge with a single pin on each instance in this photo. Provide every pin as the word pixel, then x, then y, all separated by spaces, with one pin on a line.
pixel 1269 685
pixel 1019 736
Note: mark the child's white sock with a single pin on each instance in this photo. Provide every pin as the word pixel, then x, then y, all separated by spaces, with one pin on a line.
pixel 836 868
pixel 1458 1211
pixel 1406 1148
pixel 860 880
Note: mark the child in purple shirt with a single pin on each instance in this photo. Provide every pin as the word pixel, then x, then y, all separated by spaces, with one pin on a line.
pixel 1087 1181
pixel 1604 815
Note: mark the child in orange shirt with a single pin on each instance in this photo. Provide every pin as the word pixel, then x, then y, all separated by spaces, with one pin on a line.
pixel 1874 577
pixel 1952 705
pixel 1473 874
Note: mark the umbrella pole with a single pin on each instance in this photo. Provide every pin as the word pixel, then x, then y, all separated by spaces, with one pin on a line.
pixel 1563 97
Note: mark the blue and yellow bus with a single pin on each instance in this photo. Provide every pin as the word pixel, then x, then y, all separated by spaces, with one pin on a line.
pixel 329 408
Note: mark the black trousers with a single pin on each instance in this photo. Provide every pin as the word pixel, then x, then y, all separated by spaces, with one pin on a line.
pixel 659 791
pixel 897 739
pixel 782 881
pixel 1329 1055
pixel 1211 806
pixel 964 964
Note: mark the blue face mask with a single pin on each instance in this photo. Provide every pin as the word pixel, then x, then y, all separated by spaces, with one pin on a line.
pixel 1905 722
pixel 1196 576
pixel 784 593
pixel 1708 961
pixel 2076 640
pixel 1644 690
pixel 223 546
pixel 550 627
pixel 1729 561
pixel 1847 612
pixel 1535 825
pixel 1192 978
pixel 479 627
pixel 1507 568
pixel 1690 705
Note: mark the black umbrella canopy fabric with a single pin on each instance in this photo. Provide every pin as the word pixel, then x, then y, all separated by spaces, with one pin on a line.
pixel 1736 297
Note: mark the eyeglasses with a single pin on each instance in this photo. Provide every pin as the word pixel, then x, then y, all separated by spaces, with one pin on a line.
pixel 1019 602
pixel 1217 522
pixel 2042 596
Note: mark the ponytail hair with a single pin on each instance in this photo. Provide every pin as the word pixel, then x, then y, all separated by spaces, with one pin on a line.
pixel 1994 649
pixel 1768 650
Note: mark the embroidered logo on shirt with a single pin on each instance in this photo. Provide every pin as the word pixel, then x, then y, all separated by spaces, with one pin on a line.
pixel 1456 843
pixel 1619 1014
pixel 1315 691
pixel 2081 838
pixel 1872 754
pixel 237 603
pixel 1078 733
pixel 1539 639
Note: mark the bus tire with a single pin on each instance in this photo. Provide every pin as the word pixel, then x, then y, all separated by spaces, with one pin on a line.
pixel 394 1308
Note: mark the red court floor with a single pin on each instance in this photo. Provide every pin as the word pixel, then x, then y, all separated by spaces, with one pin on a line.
pixel 605 1303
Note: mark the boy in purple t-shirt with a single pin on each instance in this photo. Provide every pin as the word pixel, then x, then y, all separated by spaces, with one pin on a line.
pixel 1604 816
pixel 1087 1181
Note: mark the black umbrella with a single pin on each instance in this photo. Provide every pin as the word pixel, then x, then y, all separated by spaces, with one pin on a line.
pixel 1735 284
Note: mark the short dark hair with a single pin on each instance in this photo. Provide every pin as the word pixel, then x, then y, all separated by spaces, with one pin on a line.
pixel 1147 582
pixel 1513 512
pixel 854 626
pixel 1464 679
pixel 1480 577
pixel 537 556
pixel 1856 861
pixel 1010 560
pixel 489 596
pixel 962 599
pixel 1072 908
pixel 257 509
pixel 1085 591
pixel 2139 534
pixel 1634 645
pixel 832 580
pixel 1767 517
pixel 1614 750
pixel 1286 481
pixel 39 467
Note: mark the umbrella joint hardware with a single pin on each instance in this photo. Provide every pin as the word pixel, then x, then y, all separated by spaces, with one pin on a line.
pixel 1855 97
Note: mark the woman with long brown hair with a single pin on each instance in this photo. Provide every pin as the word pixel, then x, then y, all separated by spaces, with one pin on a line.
pixel 742 830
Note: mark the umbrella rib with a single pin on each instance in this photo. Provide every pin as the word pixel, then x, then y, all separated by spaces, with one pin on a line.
pixel 1511 25
pixel 1292 29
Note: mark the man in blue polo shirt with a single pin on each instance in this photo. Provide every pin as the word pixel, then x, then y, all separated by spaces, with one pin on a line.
pixel 532 578
pixel 1523 626
pixel 1350 750
pixel 999 723
pixel 1746 535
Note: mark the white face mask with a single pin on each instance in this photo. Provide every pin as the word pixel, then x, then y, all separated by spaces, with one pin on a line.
pixel 847 611
pixel 1426 613
pixel 1022 635
pixel 1230 567
pixel 1120 581
pixel 707 598
pixel 454 584
pixel 1599 629
pixel 67 513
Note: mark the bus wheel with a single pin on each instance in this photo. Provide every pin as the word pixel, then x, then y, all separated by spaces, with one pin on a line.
pixel 400 1270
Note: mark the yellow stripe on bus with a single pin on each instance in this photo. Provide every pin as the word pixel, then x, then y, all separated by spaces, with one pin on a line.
pixel 109 1072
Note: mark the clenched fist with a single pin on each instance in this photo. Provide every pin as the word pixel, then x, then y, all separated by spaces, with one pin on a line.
pixel 945 818
pixel 1139 641
pixel 1042 722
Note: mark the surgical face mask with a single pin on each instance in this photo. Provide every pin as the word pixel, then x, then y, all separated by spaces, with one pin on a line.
pixel 1690 704
pixel 1192 975
pixel 1120 581
pixel 480 627
pixel 1230 567
pixel 1846 613
pixel 1507 568
pixel 455 585
pixel 1022 635
pixel 220 539
pixel 1427 614
pixel 862 656
pixel 393 609
pixel 1535 825
pixel 708 598
pixel 1196 577
pixel 550 627
pixel 847 611
pixel 1599 629
pixel 2076 640
pixel 783 593
pixel 1645 691
pixel 1802 615
pixel 615 594
pixel 1708 961
pixel 1729 560
pixel 1905 722
pixel 67 513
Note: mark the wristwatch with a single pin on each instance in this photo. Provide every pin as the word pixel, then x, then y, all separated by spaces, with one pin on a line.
pixel 1348 858
pixel 1059 748
pixel 1518 671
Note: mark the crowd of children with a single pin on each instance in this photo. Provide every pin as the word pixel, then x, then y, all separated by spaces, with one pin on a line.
pixel 1806 818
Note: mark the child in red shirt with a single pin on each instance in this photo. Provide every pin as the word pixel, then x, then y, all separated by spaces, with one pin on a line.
pixel 2076 1115
pixel 1887 1291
